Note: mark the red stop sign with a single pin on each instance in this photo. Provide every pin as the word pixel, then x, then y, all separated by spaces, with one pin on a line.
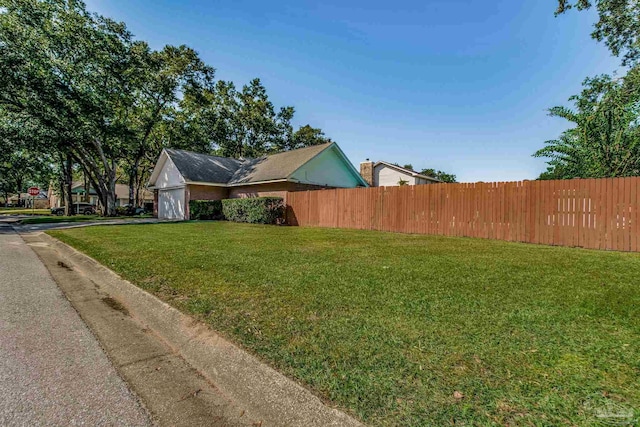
pixel 34 191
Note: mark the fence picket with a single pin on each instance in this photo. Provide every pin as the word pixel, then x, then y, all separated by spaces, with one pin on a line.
pixel 590 213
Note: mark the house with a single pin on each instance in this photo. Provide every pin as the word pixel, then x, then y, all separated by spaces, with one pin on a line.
pixel 25 200
pixel 180 176
pixel 79 195
pixel 385 174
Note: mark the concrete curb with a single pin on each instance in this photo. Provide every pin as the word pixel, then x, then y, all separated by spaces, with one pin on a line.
pixel 266 393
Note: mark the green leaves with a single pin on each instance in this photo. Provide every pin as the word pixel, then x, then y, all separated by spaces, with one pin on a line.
pixel 438 174
pixel 79 88
pixel 239 123
pixel 605 141
pixel 66 72
pixel 618 25
pixel 254 210
pixel 205 210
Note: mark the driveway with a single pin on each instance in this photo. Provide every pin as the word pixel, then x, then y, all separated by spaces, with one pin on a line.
pixel 53 370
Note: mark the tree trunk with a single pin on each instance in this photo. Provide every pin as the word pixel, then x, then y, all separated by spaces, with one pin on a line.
pixel 19 183
pixel 110 193
pixel 99 192
pixel 133 175
pixel 87 187
pixel 142 176
pixel 68 182
pixel 62 192
pixel 102 174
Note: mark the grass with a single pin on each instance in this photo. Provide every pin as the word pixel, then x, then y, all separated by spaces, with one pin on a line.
pixel 22 211
pixel 404 329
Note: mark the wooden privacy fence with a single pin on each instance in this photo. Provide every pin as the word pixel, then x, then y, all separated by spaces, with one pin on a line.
pixel 589 213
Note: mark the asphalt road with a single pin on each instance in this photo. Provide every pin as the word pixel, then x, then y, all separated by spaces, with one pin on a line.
pixel 28 228
pixel 52 369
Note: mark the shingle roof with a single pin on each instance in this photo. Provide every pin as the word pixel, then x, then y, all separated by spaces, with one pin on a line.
pixel 198 167
pixel 276 166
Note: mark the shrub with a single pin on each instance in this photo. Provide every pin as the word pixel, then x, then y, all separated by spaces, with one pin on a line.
pixel 205 209
pixel 256 210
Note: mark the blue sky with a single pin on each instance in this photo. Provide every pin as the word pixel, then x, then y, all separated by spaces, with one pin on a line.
pixel 461 86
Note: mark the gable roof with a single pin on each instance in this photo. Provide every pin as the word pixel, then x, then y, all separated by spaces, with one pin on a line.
pixel 276 166
pixel 203 168
pixel 198 167
pixel 407 171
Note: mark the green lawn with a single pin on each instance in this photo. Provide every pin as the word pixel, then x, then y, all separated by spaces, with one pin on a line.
pixel 23 211
pixel 404 329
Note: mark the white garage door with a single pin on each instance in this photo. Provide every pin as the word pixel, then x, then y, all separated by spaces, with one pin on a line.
pixel 171 204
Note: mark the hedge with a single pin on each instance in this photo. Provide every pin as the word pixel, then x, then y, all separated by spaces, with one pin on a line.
pixel 256 210
pixel 205 209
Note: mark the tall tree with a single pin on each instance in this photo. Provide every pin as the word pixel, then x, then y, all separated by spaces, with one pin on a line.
pixel 605 139
pixel 162 78
pixel 68 70
pixel 107 103
pixel 618 25
pixel 22 162
pixel 239 123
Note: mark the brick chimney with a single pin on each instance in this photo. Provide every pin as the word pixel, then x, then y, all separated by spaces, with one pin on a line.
pixel 366 171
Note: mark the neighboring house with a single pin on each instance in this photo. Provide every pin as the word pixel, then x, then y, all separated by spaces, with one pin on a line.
pixel 79 195
pixel 180 176
pixel 27 201
pixel 385 174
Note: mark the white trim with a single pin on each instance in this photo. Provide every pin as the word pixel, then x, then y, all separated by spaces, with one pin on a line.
pixel 260 182
pixel 209 184
pixel 174 187
pixel 242 184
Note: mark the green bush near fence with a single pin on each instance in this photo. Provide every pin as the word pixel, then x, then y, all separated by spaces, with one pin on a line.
pixel 206 209
pixel 255 210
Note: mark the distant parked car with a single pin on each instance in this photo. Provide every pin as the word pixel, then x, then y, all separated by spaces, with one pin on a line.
pixel 133 210
pixel 83 208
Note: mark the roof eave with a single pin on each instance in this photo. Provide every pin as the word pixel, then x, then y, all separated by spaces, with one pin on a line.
pixel 270 181
pixel 209 184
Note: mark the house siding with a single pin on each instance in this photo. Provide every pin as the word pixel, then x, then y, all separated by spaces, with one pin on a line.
pixel 384 176
pixel 328 168
pixel 207 192
pixel 276 189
